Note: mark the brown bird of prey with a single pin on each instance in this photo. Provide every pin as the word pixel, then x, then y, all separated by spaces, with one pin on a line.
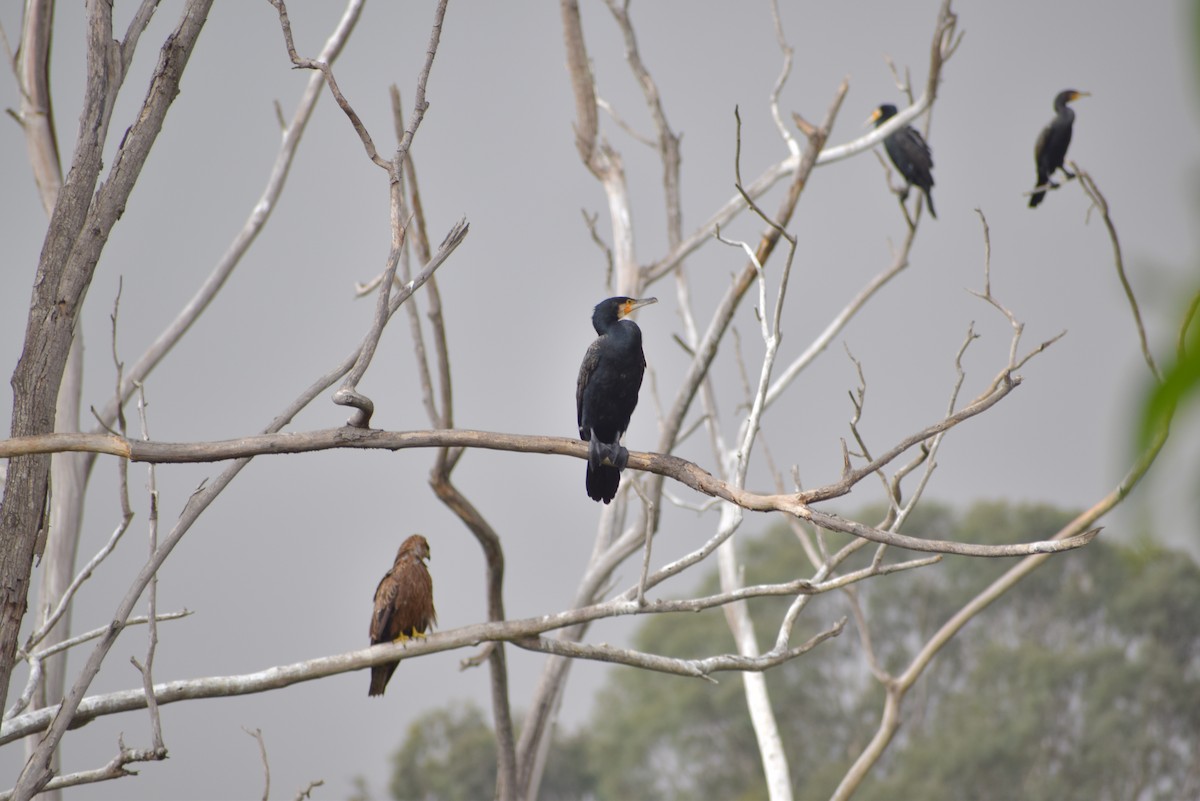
pixel 403 604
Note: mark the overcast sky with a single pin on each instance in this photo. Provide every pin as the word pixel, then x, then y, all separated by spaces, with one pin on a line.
pixel 283 565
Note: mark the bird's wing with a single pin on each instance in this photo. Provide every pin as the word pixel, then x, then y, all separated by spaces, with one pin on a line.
pixel 382 629
pixel 591 360
pixel 915 149
pixel 412 605
pixel 1040 147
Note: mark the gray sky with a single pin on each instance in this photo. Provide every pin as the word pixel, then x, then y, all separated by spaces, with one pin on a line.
pixel 282 566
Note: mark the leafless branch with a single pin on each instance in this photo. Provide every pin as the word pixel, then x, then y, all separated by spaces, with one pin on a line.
pixel 255 222
pixel 737 615
pixel 197 503
pixel 441 413
pixel 464 637
pixel 699 668
pixel 474 661
pixel 84 215
pixel 1101 205
pixel 663 465
pixel 785 70
pixel 323 67
pixel 897 687
pixel 348 394
pixel 943 46
pixel 600 159
pixel 147 670
pixel 115 769
pixel 262 752
pixel 83 575
pixel 307 791
pixel 79 639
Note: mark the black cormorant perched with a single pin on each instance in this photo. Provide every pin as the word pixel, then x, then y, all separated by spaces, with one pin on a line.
pixel 607 392
pixel 909 152
pixel 1052 144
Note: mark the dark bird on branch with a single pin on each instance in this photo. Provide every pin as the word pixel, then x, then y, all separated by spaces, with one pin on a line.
pixel 403 605
pixel 607 392
pixel 909 153
pixel 1052 144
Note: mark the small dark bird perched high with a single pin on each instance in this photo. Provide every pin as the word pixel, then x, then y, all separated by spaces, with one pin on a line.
pixel 1052 144
pixel 909 152
pixel 607 392
pixel 403 604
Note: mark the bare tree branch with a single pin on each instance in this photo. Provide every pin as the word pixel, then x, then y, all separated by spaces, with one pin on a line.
pixel 1101 205
pixel 660 464
pixel 82 221
pixel 943 46
pixel 195 506
pixel 262 752
pixel 464 637
pixel 260 214
pixel 115 769
pixel 896 687
pixel 147 670
pixel 323 67
pixel 699 668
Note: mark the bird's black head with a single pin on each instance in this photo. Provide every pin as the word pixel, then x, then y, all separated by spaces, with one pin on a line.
pixel 610 310
pixel 882 114
pixel 1068 95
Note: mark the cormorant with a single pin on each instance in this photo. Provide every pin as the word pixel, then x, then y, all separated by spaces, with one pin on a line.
pixel 909 152
pixel 1052 144
pixel 607 392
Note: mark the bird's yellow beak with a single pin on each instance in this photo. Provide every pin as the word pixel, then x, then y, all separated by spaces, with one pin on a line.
pixel 632 304
pixel 1077 95
pixel 874 116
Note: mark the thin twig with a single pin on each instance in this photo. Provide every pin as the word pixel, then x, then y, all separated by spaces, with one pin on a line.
pixel 260 214
pixel 262 752
pixel 307 791
pixel 115 769
pixel 1099 202
pixel 323 67
pixel 147 670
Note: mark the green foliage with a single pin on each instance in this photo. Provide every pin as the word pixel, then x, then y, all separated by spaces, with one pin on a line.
pixel 1179 382
pixel 1087 692
pixel 1083 683
pixel 449 754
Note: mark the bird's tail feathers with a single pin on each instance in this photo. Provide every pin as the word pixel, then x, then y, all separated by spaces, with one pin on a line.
pixel 602 483
pixel 929 202
pixel 380 675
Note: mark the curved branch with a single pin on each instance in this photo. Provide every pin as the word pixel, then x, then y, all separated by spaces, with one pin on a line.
pixel 322 667
pixel 1098 200
pixel 681 470
pixel 82 222
pixel 323 67
pixel 889 723
pixel 942 48
pixel 698 668
pixel 259 216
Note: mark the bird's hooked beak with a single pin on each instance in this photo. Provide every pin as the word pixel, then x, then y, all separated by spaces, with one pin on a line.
pixel 870 120
pixel 631 305
pixel 1077 95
